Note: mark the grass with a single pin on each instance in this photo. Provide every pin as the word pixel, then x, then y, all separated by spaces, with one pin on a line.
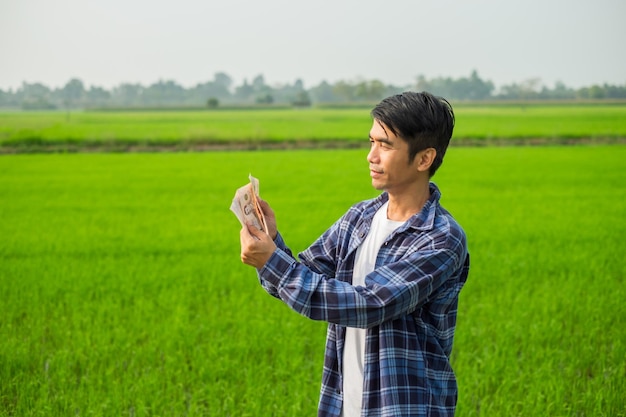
pixel 123 293
pixel 545 304
pixel 25 131
pixel 185 126
pixel 541 122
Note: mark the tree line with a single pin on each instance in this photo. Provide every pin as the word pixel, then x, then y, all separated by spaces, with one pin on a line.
pixel 221 91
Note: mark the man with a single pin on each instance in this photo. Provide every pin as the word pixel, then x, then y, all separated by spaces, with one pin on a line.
pixel 386 276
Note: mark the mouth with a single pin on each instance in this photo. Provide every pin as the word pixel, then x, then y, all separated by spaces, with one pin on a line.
pixel 374 173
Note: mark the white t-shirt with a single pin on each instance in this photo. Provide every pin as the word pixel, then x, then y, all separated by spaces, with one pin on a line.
pixel 354 347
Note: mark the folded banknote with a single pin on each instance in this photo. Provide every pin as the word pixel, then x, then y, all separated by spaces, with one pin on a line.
pixel 246 206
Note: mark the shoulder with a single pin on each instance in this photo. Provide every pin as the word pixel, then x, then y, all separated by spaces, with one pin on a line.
pixel 448 231
pixel 366 208
pixel 444 223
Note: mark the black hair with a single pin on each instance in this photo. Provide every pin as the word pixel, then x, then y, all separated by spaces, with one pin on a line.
pixel 421 119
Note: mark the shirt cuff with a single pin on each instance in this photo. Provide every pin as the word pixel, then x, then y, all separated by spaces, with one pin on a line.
pixel 277 267
pixel 279 241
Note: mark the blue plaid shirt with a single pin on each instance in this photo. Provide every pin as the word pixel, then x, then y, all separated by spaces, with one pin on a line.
pixel 408 306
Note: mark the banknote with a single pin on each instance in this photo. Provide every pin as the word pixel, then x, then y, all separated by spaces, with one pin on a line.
pixel 246 206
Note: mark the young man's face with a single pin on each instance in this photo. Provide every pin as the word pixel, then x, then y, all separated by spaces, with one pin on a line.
pixel 388 159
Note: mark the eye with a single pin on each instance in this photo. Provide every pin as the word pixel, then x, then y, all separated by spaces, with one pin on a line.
pixel 383 144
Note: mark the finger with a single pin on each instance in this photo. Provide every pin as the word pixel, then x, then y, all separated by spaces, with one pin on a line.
pixel 255 232
pixel 245 233
pixel 267 210
pixel 247 239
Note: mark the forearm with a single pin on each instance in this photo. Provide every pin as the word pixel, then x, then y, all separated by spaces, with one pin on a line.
pixel 282 246
pixel 280 243
pixel 390 292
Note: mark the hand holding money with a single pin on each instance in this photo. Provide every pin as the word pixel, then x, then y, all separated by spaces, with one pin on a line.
pixel 257 244
pixel 246 206
pixel 270 218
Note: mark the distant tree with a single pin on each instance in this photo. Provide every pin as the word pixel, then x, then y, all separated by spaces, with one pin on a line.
pixel 438 86
pixel 322 93
pixel 262 91
pixel 530 88
pixel 615 91
pixel 209 89
pixel 73 92
pixel 164 93
pixel 596 92
pixel 510 92
pixel 34 91
pixel 600 92
pixel 258 83
pixel 97 96
pixel 559 92
pixel 464 88
pixel 474 88
pixel 527 90
pixel 422 84
pixel 223 79
pixel 344 91
pixel 264 98
pixel 127 94
pixel 38 104
pixel 212 103
pixel 296 94
pixel 34 96
pixel 369 90
pixel 244 92
pixel 301 99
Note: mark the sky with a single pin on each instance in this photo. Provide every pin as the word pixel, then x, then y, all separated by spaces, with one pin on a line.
pixel 106 43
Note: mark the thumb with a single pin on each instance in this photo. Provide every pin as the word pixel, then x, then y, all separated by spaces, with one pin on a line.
pixel 255 231
pixel 265 207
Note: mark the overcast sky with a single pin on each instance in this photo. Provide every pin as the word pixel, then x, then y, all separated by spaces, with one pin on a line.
pixel 105 43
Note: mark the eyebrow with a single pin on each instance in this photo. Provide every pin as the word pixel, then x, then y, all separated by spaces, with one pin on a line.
pixel 383 140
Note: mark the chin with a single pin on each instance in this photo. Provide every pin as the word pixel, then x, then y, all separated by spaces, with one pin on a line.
pixel 378 186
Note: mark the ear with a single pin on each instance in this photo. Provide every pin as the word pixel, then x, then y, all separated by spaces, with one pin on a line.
pixel 425 159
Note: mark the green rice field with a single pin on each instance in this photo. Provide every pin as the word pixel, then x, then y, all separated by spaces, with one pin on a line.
pixel 123 293
pixel 32 131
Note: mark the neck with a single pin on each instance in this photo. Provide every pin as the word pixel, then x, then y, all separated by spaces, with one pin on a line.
pixel 404 206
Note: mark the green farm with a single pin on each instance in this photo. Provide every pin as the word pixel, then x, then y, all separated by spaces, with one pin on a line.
pixel 123 293
pixel 287 127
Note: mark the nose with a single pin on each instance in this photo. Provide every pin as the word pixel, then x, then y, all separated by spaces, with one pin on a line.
pixel 372 156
